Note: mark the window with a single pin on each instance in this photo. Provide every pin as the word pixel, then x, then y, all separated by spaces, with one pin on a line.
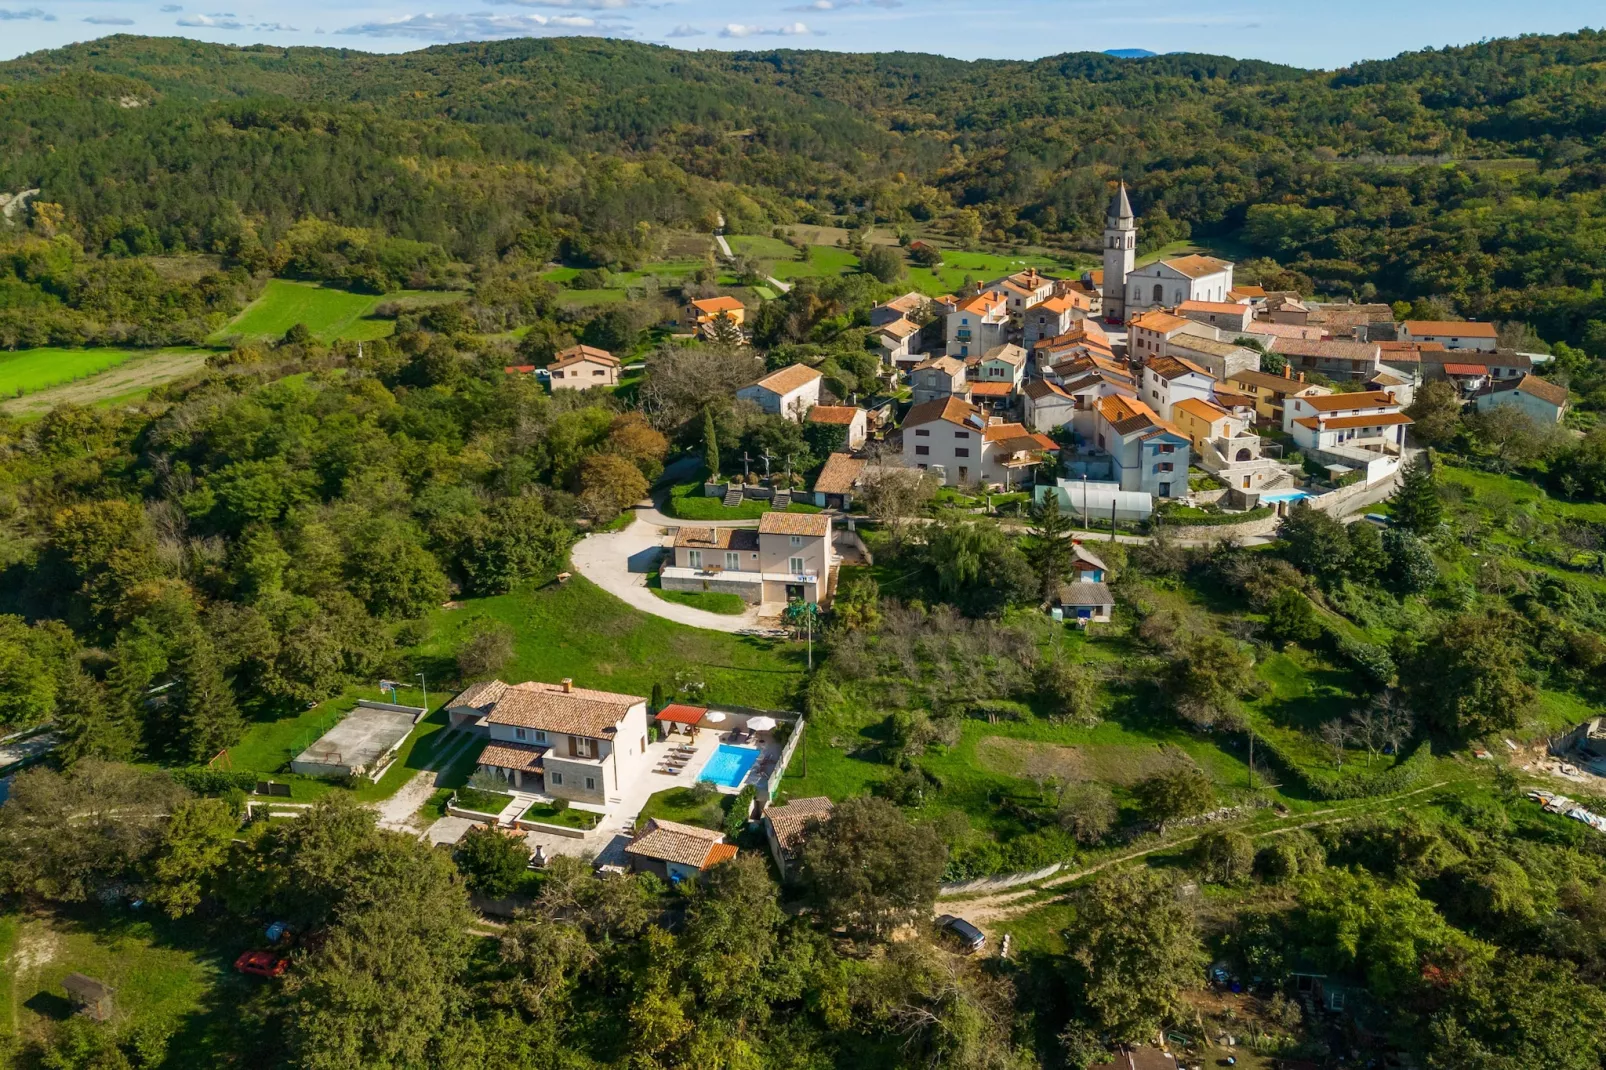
pixel 922 451
pixel 961 434
pixel 794 565
pixel 591 783
pixel 797 540
pixel 1165 490
pixel 733 559
pixel 1159 294
pixel 1168 449
pixel 518 733
pixel 961 451
pixel 922 433
pixel 557 778
pixel 695 557
pixel 1164 466
pixel 540 737
pixel 598 374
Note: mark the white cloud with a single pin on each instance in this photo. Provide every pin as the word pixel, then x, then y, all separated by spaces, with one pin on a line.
pixel 275 27
pixel 170 8
pixel 7 15
pixel 471 27
pixel 685 30
pixel 737 29
pixel 211 22
pixel 585 5
pixel 108 20
pixel 838 5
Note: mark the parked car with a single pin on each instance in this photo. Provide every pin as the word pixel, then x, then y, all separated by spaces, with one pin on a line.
pixel 969 937
pixel 261 964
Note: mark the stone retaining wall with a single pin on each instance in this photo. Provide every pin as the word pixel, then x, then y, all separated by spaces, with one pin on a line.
pixel 747 591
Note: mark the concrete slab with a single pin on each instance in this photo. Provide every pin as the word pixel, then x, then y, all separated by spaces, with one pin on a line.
pixel 362 739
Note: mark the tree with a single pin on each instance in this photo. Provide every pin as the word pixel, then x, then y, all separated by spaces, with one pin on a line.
pixel 724 331
pixel 107 547
pixel 857 605
pixel 1465 678
pixel 493 865
pixel 1415 504
pixel 892 496
pixel 193 849
pixel 925 254
pixel 1070 691
pixel 1087 811
pixel 710 445
pixel 967 226
pixel 1436 410
pixel 1224 856
pixel 1316 543
pixel 1207 677
pixel 1048 545
pixel 884 263
pixel 731 946
pixel 488 647
pixel 868 868
pixel 1165 797
pixel 1411 567
pixel 1516 1011
pixel 209 719
pixel 515 539
pixel 633 438
pixel 609 484
pixel 1135 950
pixel 1367 559
pixel 92 722
pixel 1292 619
pixel 1515 437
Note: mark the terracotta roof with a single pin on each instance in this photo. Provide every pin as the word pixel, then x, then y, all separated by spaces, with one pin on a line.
pixel 518 369
pixel 1195 267
pixel 1159 322
pixel 481 695
pixel 1381 419
pixel 576 354
pixel 1009 286
pixel 1204 345
pixel 817 525
pixel 833 414
pixel 1279 383
pixel 1008 353
pixel 788 379
pixel 841 471
pixel 1360 399
pixel 1169 368
pixel 715 305
pixel 1385 379
pixel 1327 349
pixel 909 302
pixel 1281 330
pixel 1202 409
pixel 1453 329
pixel 1038 389
pixel 1247 291
pixel 1226 308
pixel 720 852
pixel 952 409
pixel 788 822
pixel 1127 415
pixel 580 711
pixel 686 845
pixel 1543 390
pixel 899 328
pixel 991 390
pixel 520 756
pixel 1086 593
pixel 1006 433
pixel 717 538
pixel 1286 303
pixel 983 303
pixel 1232 399
pixel 680 713
pixel 1061 304
pixel 1465 369
pixel 944 364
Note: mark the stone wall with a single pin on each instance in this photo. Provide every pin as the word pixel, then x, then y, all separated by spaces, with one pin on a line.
pixel 747 591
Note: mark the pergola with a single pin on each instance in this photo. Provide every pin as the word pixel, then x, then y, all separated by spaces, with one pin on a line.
pixel 678 713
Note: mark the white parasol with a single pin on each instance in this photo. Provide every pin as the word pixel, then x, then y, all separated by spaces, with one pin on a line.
pixel 761 723
pixel 714 718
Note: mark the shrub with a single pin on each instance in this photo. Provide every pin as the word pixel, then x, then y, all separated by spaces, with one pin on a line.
pixel 204 781
pixel 1224 856
pixel 736 817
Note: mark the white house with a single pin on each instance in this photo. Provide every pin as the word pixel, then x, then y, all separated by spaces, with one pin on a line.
pixel 675 852
pixel 939 377
pixel 851 417
pixel 790 392
pixel 897 337
pixel 1169 283
pixel 1150 332
pixel 1149 454
pixel 787 559
pixel 898 308
pixel 978 324
pixel 1050 319
pixel 1368 420
pixel 1452 335
pixel 1168 380
pixel 953 436
pixel 1088 383
pixel 583 367
pixel 568 742
pixel 1002 364
pixel 1545 402
pixel 1023 290
pixel 1047 405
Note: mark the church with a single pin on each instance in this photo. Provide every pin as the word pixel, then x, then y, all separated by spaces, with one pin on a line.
pixel 1130 290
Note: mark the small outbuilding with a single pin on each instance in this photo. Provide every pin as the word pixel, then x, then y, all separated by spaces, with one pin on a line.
pixel 1086 602
pixel 89 997
pixel 786 826
pixel 677 852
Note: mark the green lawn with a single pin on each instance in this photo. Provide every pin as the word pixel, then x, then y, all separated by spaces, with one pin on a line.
pixel 958 266
pixel 24 371
pixel 688 502
pixel 709 601
pixel 329 313
pixel 483 802
pixel 568 817
pixel 689 807
pixel 760 246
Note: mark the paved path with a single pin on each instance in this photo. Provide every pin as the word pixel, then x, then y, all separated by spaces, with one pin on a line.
pixel 724 246
pixel 619 561
pixel 396 813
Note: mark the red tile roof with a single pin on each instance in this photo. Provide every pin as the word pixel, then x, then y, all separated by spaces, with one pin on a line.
pixel 680 713
pixel 833 414
pixel 1450 328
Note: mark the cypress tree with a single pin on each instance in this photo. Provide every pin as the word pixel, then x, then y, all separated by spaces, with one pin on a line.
pixel 210 720
pixel 1415 502
pixel 710 445
pixel 92 723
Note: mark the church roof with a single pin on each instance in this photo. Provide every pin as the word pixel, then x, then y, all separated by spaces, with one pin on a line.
pixel 1120 206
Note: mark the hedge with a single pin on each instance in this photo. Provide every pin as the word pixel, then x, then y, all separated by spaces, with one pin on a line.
pixel 205 781
pixel 1332 784
pixel 1202 519
pixel 1368 658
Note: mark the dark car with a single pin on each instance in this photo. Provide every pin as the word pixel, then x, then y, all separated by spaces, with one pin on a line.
pixel 261 964
pixel 970 937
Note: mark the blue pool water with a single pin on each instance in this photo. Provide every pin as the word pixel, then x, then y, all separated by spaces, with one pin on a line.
pixel 729 765
pixel 1283 496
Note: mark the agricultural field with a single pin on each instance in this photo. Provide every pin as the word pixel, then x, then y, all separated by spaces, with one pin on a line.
pixel 28 371
pixel 125 382
pixel 330 314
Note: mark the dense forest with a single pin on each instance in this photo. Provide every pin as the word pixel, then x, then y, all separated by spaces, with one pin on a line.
pixel 1469 174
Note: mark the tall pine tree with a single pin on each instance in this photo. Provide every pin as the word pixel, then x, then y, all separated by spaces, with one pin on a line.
pixel 1048 545
pixel 710 445
pixel 209 719
pixel 1415 503
pixel 91 722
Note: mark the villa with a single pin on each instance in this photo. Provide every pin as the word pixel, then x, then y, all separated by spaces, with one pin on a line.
pixel 787 559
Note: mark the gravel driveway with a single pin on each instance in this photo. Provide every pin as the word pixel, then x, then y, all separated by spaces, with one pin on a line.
pixel 619 561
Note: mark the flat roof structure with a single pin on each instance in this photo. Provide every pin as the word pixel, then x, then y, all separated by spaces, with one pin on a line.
pixel 363 744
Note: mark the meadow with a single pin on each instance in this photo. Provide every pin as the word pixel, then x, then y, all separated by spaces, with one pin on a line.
pixel 330 314
pixel 26 371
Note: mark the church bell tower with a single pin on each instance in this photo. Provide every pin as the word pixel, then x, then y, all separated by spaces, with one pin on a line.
pixel 1120 254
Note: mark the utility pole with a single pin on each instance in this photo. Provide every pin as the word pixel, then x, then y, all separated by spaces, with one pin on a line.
pixel 424 684
pixel 1084 501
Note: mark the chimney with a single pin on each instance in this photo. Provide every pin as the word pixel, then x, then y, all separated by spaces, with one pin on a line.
pixel 567 683
pixel 1302 377
pixel 1288 372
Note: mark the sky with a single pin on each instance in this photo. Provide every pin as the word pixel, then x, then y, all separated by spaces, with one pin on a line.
pixel 1299 32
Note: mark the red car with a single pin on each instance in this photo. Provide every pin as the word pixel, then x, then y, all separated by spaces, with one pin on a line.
pixel 261 964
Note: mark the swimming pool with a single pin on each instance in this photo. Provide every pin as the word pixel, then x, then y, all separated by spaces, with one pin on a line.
pixel 730 765
pixel 1284 496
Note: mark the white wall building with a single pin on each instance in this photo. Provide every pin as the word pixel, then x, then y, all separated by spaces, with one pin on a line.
pixel 790 392
pixel 1169 283
pixel 1168 380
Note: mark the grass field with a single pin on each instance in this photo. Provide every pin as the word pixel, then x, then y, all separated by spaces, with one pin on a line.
pixel 689 807
pixel 125 380
pixel 708 601
pixel 330 314
pixel 29 370
pixel 981 267
pixel 688 502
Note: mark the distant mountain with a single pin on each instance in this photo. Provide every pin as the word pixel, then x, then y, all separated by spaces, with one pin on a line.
pixel 1129 53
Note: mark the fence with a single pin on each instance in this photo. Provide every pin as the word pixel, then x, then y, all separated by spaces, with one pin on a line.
pixel 768 788
pixel 390 707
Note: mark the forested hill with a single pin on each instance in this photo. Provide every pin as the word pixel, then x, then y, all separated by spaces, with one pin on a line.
pixel 162 145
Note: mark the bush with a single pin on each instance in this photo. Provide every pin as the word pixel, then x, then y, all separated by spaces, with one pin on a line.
pixel 1186 517
pixel 204 781
pixel 736 817
pixel 1224 856
pixel 1368 658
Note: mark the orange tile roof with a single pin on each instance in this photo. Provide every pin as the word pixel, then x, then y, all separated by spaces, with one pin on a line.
pixel 1127 415
pixel 1038 389
pixel 833 414
pixel 1015 437
pixel 1228 308
pixel 954 410
pixel 788 379
pixel 817 525
pixel 1360 399
pixel 1159 322
pixel 518 369
pixel 840 473
pixel 1173 367
pixel 680 713
pixel 984 303
pixel 1466 369
pixel 991 390
pixel 898 328
pixel 580 711
pixel 1454 329
pixel 686 845
pixel 1247 291
pixel 715 305
pixel 721 538
pixel 524 757
pixel 1381 419
pixel 576 354
pixel 1202 409
pixel 1196 266
pixel 1543 389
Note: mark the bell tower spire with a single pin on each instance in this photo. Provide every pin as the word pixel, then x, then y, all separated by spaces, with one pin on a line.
pixel 1120 253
